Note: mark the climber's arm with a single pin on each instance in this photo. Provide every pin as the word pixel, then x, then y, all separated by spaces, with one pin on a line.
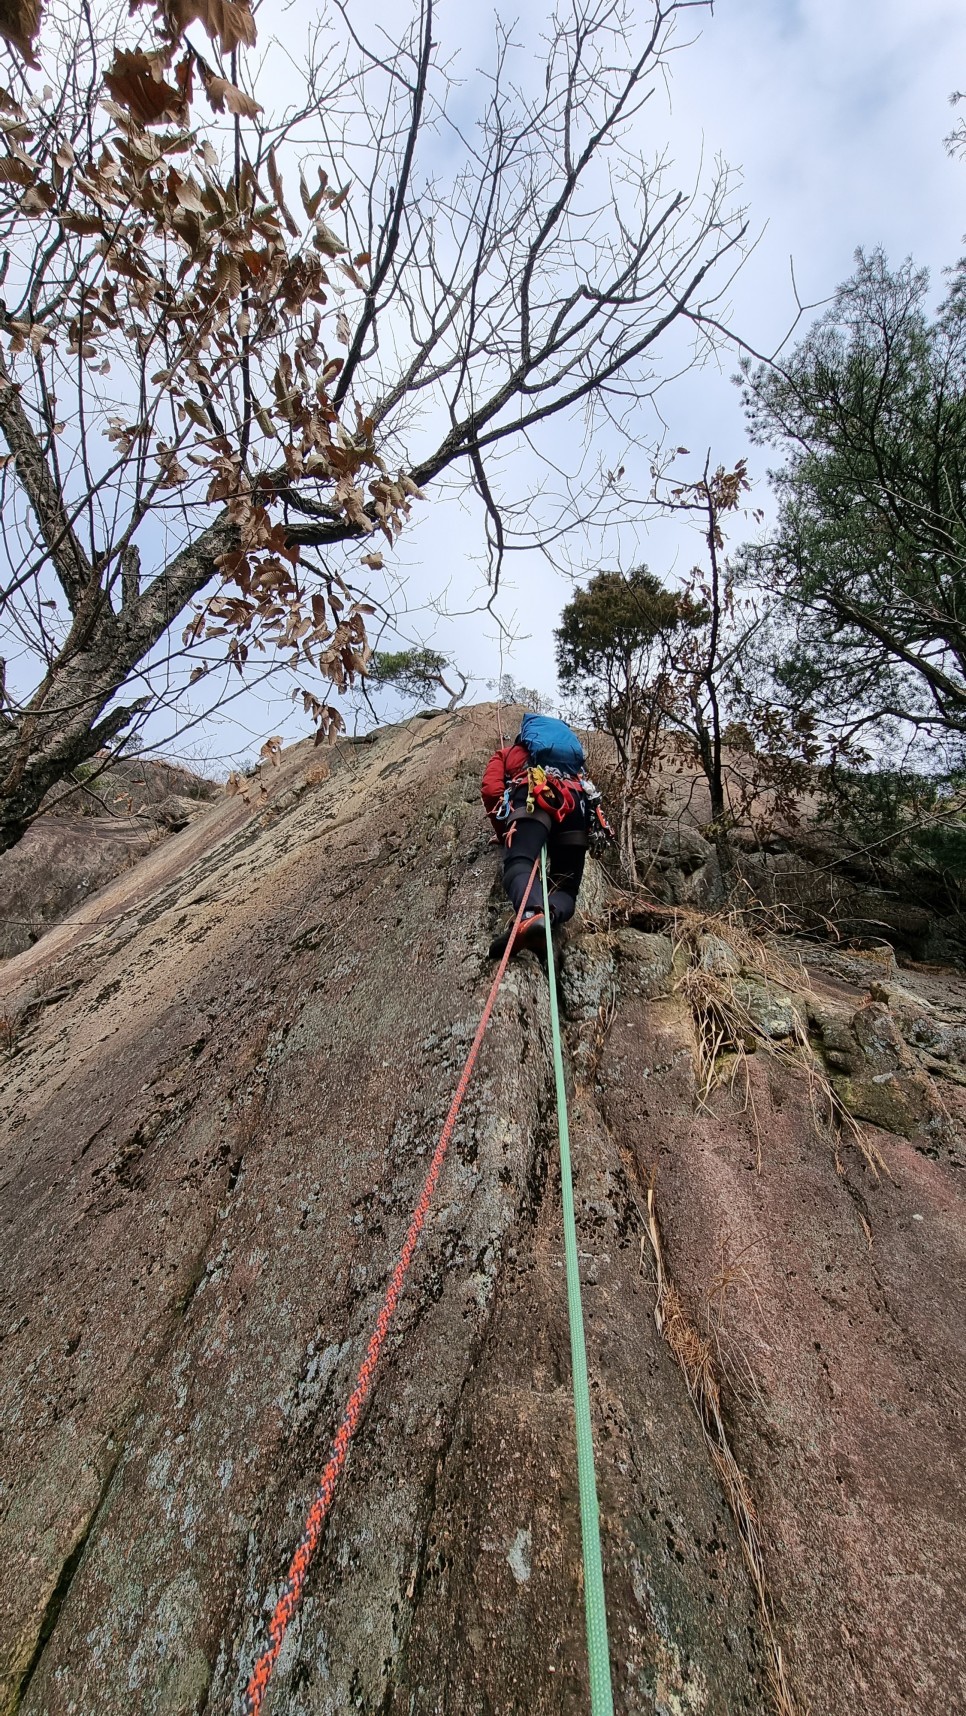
pixel 493 786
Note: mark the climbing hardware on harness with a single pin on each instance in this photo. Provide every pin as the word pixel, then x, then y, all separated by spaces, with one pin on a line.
pixel 595 1612
pixel 552 792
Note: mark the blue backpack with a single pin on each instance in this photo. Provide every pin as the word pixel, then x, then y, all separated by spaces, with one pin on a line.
pixel 551 744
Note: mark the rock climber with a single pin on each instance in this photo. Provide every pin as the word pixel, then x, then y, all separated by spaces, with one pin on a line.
pixel 536 794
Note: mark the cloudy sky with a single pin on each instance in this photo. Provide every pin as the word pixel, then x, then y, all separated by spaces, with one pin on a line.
pixel 835 112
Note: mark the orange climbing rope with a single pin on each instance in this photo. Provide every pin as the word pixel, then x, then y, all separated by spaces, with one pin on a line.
pixel 294 1582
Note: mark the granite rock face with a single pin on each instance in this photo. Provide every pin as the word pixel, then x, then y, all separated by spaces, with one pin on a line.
pixel 218 1106
pixel 87 836
pixel 809 875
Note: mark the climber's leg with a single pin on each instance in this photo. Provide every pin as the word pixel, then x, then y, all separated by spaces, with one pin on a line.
pixel 525 840
pixel 566 853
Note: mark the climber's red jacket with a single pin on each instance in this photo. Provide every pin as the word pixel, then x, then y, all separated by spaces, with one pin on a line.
pixel 502 767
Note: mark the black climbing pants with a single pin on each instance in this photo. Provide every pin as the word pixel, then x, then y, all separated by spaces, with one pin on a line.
pixel 566 844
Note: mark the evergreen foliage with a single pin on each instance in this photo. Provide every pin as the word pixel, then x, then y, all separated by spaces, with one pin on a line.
pixel 609 641
pixel 898 816
pixel 869 553
pixel 417 673
pixel 614 655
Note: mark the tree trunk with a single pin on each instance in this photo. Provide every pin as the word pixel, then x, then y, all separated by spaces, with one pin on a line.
pixel 74 713
pixel 709 750
pixel 626 757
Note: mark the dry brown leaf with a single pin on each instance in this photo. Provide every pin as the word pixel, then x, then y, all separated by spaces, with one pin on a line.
pixel 343 332
pixel 19 23
pixel 195 412
pixel 14 171
pixel 136 82
pixel 353 275
pixel 173 473
pixel 187 193
pixel 38 200
pixel 311 201
pixel 327 241
pixel 222 94
pixel 275 179
pixel 230 21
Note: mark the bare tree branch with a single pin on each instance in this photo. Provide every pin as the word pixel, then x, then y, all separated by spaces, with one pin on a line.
pixel 205 376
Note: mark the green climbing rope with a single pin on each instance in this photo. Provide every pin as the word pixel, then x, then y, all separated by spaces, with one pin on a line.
pixel 601 1697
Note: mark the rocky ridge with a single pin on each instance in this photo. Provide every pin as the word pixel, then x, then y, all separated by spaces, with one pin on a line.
pixel 223 1076
pixel 87 835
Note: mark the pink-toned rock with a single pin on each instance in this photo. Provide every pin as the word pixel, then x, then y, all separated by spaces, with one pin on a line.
pixel 215 1122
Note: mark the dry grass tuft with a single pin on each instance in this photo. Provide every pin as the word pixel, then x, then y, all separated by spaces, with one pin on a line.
pixel 725 1027
pixel 733 1277
pixel 693 1355
pixel 11 1026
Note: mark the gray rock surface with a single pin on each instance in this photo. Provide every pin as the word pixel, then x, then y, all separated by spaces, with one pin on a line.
pixel 769 1009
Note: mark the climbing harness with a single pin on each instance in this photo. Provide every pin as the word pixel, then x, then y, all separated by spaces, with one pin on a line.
pixel 294 1582
pixel 552 791
pixel 595 1612
pixel 546 789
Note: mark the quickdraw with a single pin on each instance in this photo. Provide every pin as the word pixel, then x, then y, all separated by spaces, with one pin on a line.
pixel 601 833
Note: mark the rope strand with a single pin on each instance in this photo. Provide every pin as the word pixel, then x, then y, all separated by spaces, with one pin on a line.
pixel 294 1582
pixel 595 1609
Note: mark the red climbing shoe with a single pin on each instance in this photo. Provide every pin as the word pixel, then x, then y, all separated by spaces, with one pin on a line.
pixel 530 934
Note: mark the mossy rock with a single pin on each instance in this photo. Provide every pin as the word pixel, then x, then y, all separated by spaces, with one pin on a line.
pixel 891 1101
pixel 648 960
pixel 772 1012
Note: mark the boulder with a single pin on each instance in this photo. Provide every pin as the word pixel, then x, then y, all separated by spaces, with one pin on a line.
pixel 676 864
pixel 717 954
pixel 86 836
pixel 771 1010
